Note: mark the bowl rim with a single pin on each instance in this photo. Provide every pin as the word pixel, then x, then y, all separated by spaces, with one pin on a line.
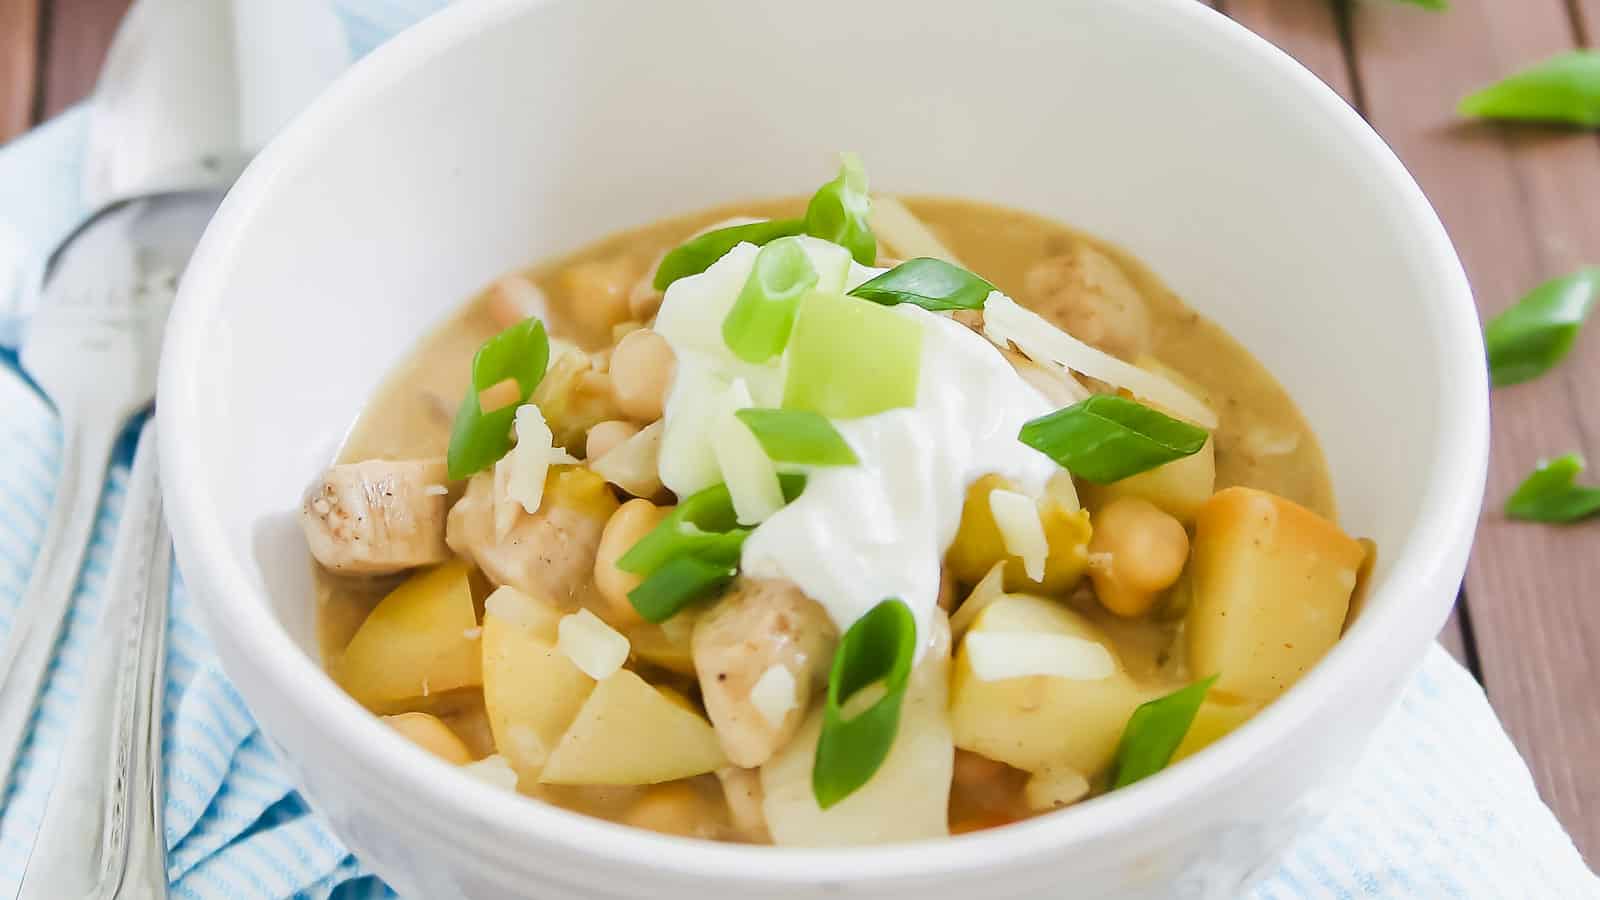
pixel 1446 521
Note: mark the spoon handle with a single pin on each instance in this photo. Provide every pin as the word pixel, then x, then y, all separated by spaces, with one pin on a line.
pixel 30 647
pixel 102 834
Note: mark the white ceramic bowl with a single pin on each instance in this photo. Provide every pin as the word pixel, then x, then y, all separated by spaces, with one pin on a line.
pixel 500 133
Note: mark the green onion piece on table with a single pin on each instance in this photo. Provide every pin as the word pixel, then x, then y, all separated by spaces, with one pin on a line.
pixel 697 255
pixel 838 211
pixel 758 326
pixel 798 436
pixel 879 647
pixel 1532 336
pixel 1552 494
pixel 677 584
pixel 932 284
pixel 1564 90
pixel 478 439
pixel 1428 4
pixel 1154 732
pixel 848 358
pixel 1107 438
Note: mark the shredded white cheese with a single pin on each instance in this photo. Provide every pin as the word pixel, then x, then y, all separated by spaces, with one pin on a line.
pixel 996 656
pixel 596 648
pixel 987 591
pixel 530 460
pixel 494 771
pixel 751 477
pixel 1004 322
pixel 900 228
pixel 773 695
pixel 435 490
pixel 1017 517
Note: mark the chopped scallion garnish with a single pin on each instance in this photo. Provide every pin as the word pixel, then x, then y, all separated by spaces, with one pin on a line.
pixel 848 358
pixel 878 648
pixel 932 284
pixel 798 436
pixel 697 254
pixel 838 211
pixel 677 584
pixel 477 438
pixel 1552 494
pixel 1563 89
pixel 1107 438
pixel 1154 732
pixel 758 326
pixel 1530 337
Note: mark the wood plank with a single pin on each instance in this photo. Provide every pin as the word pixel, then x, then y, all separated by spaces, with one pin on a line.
pixel 1309 31
pixel 77 34
pixel 1519 203
pixel 19 62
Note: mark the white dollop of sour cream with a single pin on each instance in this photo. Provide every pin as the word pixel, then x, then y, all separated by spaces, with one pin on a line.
pixel 861 534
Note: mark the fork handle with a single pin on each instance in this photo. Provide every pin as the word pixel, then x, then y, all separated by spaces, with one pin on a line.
pixel 30 647
pixel 102 834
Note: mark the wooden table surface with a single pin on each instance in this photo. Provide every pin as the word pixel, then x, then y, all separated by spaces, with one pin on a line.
pixel 1522 204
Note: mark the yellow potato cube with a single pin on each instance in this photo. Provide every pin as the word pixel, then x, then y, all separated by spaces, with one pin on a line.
pixel 420 640
pixel 531 690
pixel 1178 488
pixel 1216 718
pixel 629 732
pixel 1036 722
pixel 1272 584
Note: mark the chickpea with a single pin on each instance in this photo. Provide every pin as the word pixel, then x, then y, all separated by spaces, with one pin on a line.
pixel 671 808
pixel 1137 552
pixel 632 521
pixel 606 436
pixel 641 373
pixel 432 735
pixel 595 295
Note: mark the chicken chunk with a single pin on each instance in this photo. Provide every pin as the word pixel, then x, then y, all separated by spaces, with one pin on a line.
pixel 378 516
pixel 760 654
pixel 1086 293
pixel 549 554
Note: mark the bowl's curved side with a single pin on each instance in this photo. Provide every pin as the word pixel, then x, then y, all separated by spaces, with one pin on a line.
pixel 333 210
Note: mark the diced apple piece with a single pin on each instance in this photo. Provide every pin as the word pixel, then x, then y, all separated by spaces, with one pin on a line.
pixel 1272 584
pixel 629 732
pixel 1036 722
pixel 421 639
pixel 531 689
pixel 907 799
pixel 1217 717
pixel 1178 488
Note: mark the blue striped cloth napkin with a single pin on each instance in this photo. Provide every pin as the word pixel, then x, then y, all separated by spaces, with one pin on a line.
pixel 1442 806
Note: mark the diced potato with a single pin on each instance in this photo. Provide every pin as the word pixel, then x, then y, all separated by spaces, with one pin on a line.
pixel 1037 722
pixel 1179 488
pixel 668 645
pixel 1272 583
pixel 909 797
pixel 1217 717
pixel 629 732
pixel 978 543
pixel 419 640
pixel 432 735
pixel 531 689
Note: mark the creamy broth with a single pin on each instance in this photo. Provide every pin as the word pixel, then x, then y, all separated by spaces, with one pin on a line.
pixel 1262 441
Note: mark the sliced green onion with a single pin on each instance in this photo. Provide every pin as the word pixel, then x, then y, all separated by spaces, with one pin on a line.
pixel 702 529
pixel 1107 438
pixel 697 254
pixel 478 439
pixel 929 283
pixel 677 584
pixel 758 326
pixel 879 647
pixel 1552 494
pixel 1154 732
pixel 1532 336
pixel 1564 89
pixel 1429 4
pixel 847 358
pixel 838 211
pixel 798 436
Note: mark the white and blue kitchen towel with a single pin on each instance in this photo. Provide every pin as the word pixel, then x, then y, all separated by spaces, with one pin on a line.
pixel 1442 806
